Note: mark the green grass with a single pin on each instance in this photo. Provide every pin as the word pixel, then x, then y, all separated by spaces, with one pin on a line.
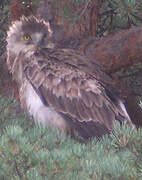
pixel 30 152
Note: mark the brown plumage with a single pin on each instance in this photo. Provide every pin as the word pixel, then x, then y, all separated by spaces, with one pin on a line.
pixel 55 85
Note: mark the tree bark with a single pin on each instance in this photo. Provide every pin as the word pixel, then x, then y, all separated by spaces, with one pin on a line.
pixel 20 7
pixel 121 50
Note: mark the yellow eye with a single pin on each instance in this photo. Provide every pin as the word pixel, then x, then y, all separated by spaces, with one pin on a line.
pixel 26 37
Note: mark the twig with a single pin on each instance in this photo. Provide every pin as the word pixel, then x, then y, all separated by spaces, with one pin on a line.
pixel 17 170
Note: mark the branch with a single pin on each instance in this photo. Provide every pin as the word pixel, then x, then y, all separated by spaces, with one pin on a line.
pixel 115 52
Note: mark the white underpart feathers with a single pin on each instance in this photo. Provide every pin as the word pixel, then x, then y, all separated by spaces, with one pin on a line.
pixel 42 114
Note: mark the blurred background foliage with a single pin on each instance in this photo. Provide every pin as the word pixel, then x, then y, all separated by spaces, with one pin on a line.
pixel 4 10
pixel 119 14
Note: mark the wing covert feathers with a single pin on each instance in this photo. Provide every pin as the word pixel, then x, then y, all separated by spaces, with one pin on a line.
pixel 75 90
